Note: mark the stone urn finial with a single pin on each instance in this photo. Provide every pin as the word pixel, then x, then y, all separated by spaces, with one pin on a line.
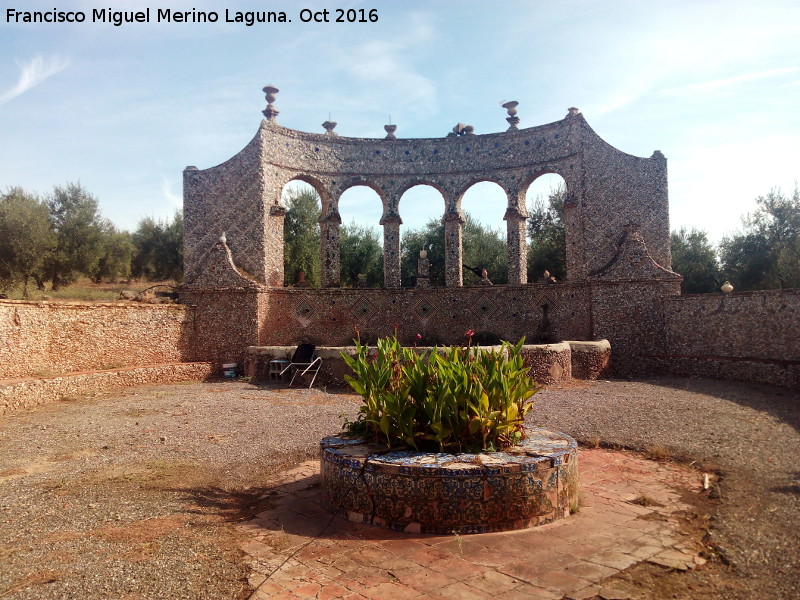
pixel 573 112
pixel 390 129
pixel 513 119
pixel 270 112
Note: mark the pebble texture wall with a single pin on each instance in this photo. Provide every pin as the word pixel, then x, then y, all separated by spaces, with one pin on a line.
pixel 49 338
pixel 22 394
pixel 752 336
pixel 608 191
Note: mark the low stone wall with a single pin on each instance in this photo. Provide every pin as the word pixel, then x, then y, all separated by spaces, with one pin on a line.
pixel 530 484
pixel 749 336
pixel 590 360
pixel 41 339
pixel 27 393
pixel 548 363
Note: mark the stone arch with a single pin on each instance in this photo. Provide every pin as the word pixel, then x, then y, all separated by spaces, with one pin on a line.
pixel 240 196
pixel 542 258
pixel 414 192
pixel 490 254
pixel 341 188
pixel 319 187
pixel 367 212
pixel 293 264
pixel 472 182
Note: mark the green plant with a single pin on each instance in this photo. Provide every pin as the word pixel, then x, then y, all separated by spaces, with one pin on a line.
pixel 446 399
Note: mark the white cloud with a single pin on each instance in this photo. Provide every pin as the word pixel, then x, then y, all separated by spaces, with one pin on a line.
pixel 33 73
pixel 174 199
pixel 717 84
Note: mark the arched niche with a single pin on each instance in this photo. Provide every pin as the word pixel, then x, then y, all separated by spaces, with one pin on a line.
pixel 422 206
pixel 484 238
pixel 301 234
pixel 546 197
pixel 360 237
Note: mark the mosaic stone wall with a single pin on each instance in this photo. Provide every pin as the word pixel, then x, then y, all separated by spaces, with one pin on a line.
pixel 329 317
pixel 531 484
pixel 607 189
pixel 49 338
pixel 751 336
pixel 25 394
pixel 620 285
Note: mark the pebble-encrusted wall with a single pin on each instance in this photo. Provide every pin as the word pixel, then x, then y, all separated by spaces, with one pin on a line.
pixel 440 315
pixel 620 285
pixel 608 191
pixel 49 338
pixel 751 336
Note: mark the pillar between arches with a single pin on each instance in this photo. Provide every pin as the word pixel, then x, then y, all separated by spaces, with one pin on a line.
pixel 329 250
pixel 453 275
pixel 517 246
pixel 391 251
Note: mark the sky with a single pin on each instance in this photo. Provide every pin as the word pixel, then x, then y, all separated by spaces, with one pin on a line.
pixel 123 110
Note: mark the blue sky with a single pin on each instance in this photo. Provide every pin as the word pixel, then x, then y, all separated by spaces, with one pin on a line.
pixel 714 85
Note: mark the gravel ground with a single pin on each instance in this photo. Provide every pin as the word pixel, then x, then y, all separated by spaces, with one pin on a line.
pixel 748 434
pixel 132 495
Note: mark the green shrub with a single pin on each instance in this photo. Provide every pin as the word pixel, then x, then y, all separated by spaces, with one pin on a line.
pixel 450 399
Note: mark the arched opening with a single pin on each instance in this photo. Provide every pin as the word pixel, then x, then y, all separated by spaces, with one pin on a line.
pixel 547 250
pixel 301 234
pixel 421 208
pixel 484 244
pixel 360 238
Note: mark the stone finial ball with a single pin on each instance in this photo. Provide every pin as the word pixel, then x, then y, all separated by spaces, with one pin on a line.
pixel 423 254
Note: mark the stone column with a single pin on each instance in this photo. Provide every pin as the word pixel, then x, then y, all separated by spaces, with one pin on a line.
pixel 517 246
pixel 453 276
pixel 423 270
pixel 329 250
pixel 391 250
pixel 273 246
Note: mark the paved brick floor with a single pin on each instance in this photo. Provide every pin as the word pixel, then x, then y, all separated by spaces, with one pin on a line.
pixel 299 550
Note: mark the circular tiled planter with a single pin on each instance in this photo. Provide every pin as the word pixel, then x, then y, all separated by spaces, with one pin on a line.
pixel 530 484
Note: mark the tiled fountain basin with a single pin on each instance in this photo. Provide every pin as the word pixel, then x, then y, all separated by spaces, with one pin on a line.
pixel 424 492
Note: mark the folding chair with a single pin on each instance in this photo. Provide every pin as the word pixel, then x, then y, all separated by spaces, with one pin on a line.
pixel 304 362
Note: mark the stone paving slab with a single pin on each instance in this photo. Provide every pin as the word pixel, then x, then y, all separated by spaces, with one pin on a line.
pixel 630 512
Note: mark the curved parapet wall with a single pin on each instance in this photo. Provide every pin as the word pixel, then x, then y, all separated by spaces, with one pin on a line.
pixel 533 483
pixel 547 363
pixel 608 191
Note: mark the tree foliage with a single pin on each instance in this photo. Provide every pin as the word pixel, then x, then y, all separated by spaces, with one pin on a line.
pixel 301 236
pixel 547 241
pixel 158 249
pixel 79 229
pixel 694 257
pixel 482 248
pixel 360 252
pixel 26 239
pixel 429 238
pixel 765 253
pixel 116 255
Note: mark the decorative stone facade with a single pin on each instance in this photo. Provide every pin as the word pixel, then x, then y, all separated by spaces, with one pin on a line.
pixel 620 285
pixel 608 191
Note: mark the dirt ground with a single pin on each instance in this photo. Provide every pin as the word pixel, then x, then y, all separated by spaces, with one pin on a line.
pixel 134 495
